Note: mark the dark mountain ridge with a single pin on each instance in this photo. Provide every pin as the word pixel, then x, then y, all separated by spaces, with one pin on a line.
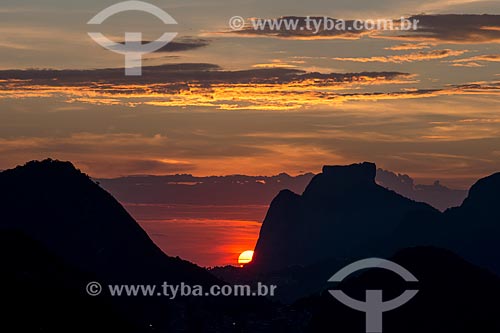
pixel 344 216
pixel 342 213
pixel 60 207
pixel 60 231
pixel 245 190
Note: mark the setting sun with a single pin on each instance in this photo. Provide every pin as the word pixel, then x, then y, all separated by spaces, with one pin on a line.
pixel 245 257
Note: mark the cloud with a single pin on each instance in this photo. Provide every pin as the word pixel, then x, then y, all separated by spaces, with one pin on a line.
pixel 455 28
pixel 412 57
pixel 183 85
pixel 409 46
pixel 125 153
pixel 186 44
pixel 14 46
pixel 450 28
pixel 297 27
pixel 278 63
pixel 208 86
pixel 468 65
pixel 464 7
pixel 475 61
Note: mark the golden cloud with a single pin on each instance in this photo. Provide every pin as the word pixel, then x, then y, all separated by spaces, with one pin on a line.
pixel 412 57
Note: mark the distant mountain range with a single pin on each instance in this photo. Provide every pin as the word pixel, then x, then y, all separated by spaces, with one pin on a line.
pixel 256 190
pixel 437 195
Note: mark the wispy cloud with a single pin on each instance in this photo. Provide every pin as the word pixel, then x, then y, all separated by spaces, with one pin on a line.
pixel 409 46
pixel 450 28
pixel 14 46
pixel 201 85
pixel 298 27
pixel 206 85
pixel 181 45
pixel 475 61
pixel 454 28
pixel 412 57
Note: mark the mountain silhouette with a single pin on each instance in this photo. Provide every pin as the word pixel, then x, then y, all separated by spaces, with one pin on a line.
pixel 54 204
pixel 344 216
pixel 186 189
pixel 342 213
pixel 59 231
pixel 473 229
pixel 437 195
pixel 41 292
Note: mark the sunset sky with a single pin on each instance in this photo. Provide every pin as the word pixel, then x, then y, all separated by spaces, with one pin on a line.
pixel 218 102
pixel 254 102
